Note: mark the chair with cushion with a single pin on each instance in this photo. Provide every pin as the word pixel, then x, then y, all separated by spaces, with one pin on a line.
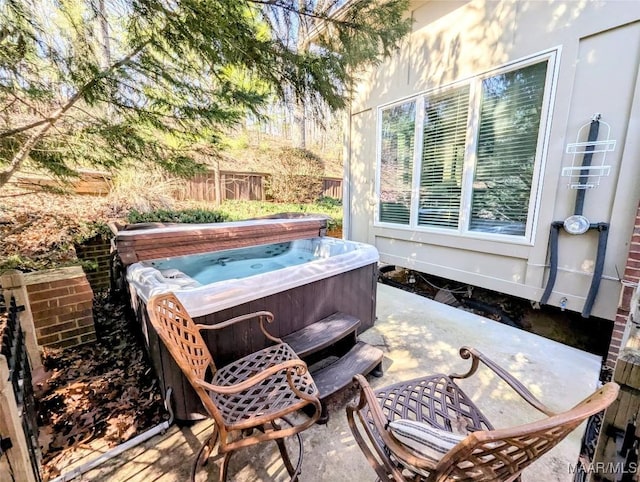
pixel 250 398
pixel 428 429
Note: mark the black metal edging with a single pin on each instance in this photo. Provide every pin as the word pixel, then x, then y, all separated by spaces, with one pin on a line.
pixel 588 447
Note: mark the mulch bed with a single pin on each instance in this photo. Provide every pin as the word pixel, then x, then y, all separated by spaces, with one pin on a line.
pixel 105 391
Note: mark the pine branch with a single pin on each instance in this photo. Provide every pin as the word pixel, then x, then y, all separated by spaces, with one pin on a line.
pixel 46 124
pixel 303 13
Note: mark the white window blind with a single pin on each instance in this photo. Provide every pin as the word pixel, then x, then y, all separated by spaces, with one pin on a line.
pixel 510 111
pixel 396 162
pixel 443 152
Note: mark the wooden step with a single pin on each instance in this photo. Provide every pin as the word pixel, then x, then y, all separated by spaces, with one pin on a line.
pixel 362 359
pixel 322 334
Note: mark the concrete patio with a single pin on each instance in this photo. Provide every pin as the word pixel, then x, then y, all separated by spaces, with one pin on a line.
pixel 419 336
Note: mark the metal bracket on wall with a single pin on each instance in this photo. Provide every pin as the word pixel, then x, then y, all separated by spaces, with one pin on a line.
pixel 583 173
pixel 5 444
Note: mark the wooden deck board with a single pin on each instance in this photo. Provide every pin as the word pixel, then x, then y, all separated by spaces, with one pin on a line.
pixel 361 359
pixel 322 333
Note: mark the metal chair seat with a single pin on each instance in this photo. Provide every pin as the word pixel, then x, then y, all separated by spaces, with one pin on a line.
pixel 435 400
pixel 271 398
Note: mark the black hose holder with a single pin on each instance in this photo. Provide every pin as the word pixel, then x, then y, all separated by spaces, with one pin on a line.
pixel 579 224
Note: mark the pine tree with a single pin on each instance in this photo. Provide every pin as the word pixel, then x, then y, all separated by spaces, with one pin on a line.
pixel 109 83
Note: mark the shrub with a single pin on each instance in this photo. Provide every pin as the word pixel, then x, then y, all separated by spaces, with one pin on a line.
pixel 329 202
pixel 134 190
pixel 182 216
pixel 296 176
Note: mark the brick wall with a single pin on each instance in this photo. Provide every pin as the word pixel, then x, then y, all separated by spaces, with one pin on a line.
pixel 61 303
pixel 630 281
pixel 97 251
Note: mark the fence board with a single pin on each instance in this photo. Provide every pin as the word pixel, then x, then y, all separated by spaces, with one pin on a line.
pixel 246 186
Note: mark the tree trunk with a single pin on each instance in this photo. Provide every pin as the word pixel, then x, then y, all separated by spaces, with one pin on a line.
pixel 217 183
pixel 104 31
pixel 299 125
pixel 44 125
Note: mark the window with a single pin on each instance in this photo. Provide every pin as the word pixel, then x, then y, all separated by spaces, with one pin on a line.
pixel 510 112
pixel 396 162
pixel 477 145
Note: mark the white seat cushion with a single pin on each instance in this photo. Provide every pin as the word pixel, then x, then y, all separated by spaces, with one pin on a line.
pixel 428 441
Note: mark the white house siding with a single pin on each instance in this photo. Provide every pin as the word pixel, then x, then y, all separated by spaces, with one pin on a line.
pixel 598 55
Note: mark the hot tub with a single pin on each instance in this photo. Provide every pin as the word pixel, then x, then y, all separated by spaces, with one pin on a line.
pixel 210 282
pixel 300 281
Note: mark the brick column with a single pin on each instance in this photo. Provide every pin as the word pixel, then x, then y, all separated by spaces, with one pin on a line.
pixel 630 281
pixel 97 251
pixel 62 306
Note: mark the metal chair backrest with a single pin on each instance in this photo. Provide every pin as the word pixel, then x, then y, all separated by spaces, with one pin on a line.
pixel 185 343
pixel 484 454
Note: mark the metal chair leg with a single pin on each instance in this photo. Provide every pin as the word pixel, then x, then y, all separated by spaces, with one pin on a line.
pixel 205 451
pixel 223 465
pixel 284 453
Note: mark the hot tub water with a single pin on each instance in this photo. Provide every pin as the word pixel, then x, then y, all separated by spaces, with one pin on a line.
pixel 210 268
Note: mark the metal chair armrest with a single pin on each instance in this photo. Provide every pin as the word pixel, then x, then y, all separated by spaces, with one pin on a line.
pixel 477 357
pixel 260 315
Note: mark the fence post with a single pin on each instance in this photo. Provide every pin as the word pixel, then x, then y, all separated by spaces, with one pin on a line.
pixel 12 282
pixel 11 427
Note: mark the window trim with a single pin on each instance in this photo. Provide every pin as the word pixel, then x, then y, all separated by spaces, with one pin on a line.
pixel 552 56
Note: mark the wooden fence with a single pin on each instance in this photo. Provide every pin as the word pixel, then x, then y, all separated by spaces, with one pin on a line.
pixel 242 186
pixel 332 187
pixel 95 183
pixel 234 185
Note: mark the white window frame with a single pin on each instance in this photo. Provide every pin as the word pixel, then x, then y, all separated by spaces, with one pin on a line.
pixel 475 96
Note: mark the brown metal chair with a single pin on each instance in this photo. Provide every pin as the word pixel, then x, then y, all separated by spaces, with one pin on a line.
pixel 255 392
pixel 482 453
